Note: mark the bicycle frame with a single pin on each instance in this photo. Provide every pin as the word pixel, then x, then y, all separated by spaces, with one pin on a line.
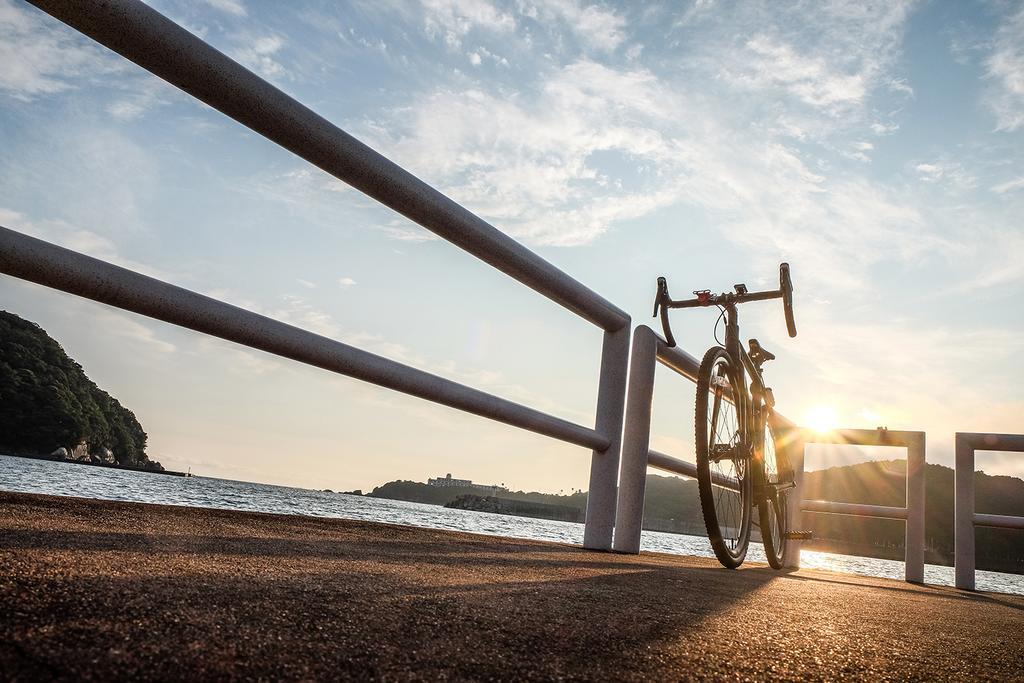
pixel 749 402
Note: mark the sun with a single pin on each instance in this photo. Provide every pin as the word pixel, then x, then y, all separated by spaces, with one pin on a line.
pixel 821 419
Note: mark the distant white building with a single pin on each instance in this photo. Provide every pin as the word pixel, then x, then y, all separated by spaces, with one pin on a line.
pixel 448 482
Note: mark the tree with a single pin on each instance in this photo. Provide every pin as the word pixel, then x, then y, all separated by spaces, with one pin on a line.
pixel 47 401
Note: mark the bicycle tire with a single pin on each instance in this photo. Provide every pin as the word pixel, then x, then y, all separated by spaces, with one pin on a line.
pixel 727 513
pixel 773 508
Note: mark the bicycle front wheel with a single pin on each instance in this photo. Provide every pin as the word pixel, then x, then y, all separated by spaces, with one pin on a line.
pixel 773 507
pixel 723 458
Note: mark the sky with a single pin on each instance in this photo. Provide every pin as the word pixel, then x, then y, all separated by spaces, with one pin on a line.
pixel 876 147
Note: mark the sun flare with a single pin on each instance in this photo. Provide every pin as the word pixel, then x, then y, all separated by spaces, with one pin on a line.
pixel 821 419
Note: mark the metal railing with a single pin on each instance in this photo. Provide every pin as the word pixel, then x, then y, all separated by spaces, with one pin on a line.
pixel 966 518
pixel 154 42
pixel 912 513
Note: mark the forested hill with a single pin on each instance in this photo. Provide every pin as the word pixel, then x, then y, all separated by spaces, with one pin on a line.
pixel 673 504
pixel 884 483
pixel 47 403
pixel 418 492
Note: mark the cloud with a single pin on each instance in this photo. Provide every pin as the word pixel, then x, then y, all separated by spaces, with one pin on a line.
pixel 103 178
pixel 452 20
pixel 405 231
pixel 1005 67
pixel 301 313
pixel 241 360
pixel 561 179
pixel 41 56
pixel 900 85
pixel 306 283
pixel 258 54
pixel 346 281
pixel 526 160
pixel 947 172
pixel 1009 186
pixel 297 186
pixel 235 7
pixel 808 77
pixel 860 151
pixel 992 255
pixel 596 27
pixel 145 94
pixel 827 58
pixel 122 325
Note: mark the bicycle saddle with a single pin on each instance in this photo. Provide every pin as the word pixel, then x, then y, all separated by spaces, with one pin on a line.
pixel 758 354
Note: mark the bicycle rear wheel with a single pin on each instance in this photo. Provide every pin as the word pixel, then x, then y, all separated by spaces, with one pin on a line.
pixel 723 459
pixel 773 506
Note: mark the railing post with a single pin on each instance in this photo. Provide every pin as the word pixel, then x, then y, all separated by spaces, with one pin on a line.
pixel 796 443
pixel 636 442
pixel 963 557
pixel 914 557
pixel 604 465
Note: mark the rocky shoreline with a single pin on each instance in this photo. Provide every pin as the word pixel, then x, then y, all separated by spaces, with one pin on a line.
pixel 97 461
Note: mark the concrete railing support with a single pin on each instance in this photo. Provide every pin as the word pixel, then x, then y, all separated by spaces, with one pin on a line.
pixel 636 442
pixel 795 444
pixel 604 464
pixel 965 516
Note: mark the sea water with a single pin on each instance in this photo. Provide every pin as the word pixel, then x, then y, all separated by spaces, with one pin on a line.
pixel 67 479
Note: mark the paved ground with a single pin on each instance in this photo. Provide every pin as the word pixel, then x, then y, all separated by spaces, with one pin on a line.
pixel 101 591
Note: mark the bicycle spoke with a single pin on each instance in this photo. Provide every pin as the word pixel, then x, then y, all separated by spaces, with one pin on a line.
pixel 724 436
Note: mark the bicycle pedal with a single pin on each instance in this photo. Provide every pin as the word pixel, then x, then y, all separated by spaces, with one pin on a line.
pixel 799 535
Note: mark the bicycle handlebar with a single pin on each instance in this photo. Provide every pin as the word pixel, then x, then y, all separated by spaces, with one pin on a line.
pixel 663 302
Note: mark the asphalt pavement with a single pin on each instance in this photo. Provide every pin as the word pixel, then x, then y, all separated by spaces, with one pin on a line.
pixel 98 590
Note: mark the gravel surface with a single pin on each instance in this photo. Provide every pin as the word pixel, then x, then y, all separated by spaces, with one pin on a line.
pixel 98 590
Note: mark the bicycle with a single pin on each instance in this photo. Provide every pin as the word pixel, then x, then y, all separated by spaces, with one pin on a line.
pixel 740 461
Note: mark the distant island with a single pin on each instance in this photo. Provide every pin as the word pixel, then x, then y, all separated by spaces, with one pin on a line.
pixel 672 505
pixel 49 408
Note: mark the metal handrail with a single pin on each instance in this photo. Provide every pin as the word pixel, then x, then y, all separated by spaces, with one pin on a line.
pixel 154 42
pixel 47 264
pixel 162 47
